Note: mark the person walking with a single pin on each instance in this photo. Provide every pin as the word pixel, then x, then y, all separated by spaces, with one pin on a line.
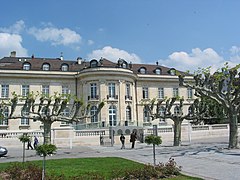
pixel 35 142
pixel 122 139
pixel 29 143
pixel 133 138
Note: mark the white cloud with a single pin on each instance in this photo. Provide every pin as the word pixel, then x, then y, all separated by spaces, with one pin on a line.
pixel 196 59
pixel 11 42
pixel 114 54
pixel 16 28
pixel 90 42
pixel 56 36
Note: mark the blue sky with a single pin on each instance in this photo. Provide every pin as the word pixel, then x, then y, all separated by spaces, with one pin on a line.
pixel 184 34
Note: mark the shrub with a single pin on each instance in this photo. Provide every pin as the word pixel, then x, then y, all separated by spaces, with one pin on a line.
pixel 159 171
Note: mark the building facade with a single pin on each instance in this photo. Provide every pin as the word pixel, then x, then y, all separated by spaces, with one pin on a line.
pixel 123 86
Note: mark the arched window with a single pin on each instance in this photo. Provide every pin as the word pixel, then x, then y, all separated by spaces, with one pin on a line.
pixel 143 70
pixel 112 115
pixel 93 111
pixel 172 72
pixel 158 71
pixel 146 117
pixel 64 67
pixel 46 67
pixel 128 113
pixel 26 66
pixel 4 120
pixel 25 119
pixel 93 63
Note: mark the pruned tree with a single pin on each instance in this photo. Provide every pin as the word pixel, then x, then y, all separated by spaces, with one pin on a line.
pixel 223 86
pixel 177 115
pixel 48 109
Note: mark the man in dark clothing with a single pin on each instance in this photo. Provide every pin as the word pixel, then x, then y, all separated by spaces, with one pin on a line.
pixel 122 139
pixel 133 138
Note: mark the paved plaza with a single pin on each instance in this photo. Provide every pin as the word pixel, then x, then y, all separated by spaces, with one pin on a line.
pixel 208 159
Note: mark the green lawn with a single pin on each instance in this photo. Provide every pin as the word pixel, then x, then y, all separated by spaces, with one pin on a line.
pixel 105 166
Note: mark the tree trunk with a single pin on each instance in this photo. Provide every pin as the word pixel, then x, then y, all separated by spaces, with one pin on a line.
pixel 233 134
pixel 177 132
pixel 47 132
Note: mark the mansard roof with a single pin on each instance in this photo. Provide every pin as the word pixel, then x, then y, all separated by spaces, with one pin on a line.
pixel 16 63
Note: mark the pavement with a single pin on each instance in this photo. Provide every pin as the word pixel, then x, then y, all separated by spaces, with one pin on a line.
pixel 208 159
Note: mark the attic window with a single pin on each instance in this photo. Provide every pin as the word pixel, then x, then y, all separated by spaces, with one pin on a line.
pixel 122 63
pixel 64 67
pixel 93 63
pixel 26 66
pixel 172 72
pixel 158 71
pixel 142 70
pixel 45 67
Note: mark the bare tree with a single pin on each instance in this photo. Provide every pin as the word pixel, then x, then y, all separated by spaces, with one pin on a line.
pixel 223 86
pixel 48 110
pixel 177 116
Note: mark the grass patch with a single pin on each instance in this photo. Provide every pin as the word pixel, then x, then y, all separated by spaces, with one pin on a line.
pixel 104 166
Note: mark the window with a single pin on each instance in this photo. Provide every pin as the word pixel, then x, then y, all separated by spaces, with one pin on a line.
pixel 65 113
pixel 161 93
pixel 145 92
pixel 128 94
pixel 65 90
pixel 112 116
pixel 93 111
pixel 189 93
pixel 25 119
pixel 111 90
pixel 94 63
pixel 25 90
pixel 64 67
pixel 5 91
pixel 45 67
pixel 176 111
pixel 26 66
pixel 146 117
pixel 175 92
pixel 45 90
pixel 142 70
pixel 45 111
pixel 172 72
pixel 161 111
pixel 158 71
pixel 128 113
pixel 4 120
pixel 93 90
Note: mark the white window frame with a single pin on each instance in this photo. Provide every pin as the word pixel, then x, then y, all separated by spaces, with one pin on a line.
pixel 46 90
pixel 161 93
pixel 5 91
pixel 93 90
pixel 25 90
pixel 145 92
pixel 111 90
pixel 175 92
pixel 112 112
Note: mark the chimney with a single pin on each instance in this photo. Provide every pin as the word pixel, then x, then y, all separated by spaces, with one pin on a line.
pixel 61 57
pixel 13 54
pixel 79 60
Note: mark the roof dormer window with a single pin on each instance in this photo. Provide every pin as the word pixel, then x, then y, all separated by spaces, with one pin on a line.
pixel 93 63
pixel 64 67
pixel 172 72
pixel 45 67
pixel 26 66
pixel 158 71
pixel 143 70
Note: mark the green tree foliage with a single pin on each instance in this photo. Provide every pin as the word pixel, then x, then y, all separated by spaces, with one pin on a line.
pixel 152 139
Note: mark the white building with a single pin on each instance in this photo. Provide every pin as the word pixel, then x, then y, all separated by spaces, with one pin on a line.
pixel 121 84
